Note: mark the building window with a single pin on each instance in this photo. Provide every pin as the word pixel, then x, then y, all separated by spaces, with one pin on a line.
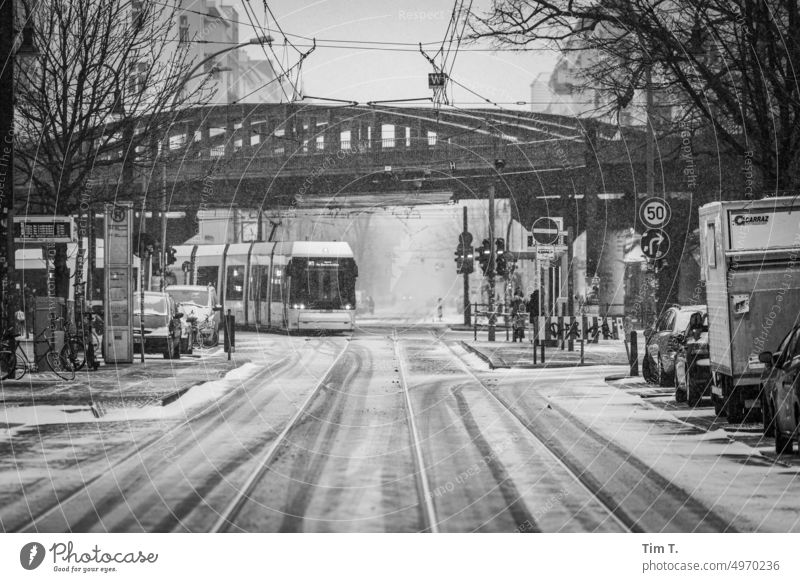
pixel 183 31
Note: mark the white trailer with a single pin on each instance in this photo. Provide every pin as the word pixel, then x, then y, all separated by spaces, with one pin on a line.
pixel 750 252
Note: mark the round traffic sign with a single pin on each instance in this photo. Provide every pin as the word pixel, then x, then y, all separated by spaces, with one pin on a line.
pixel 655 243
pixel 465 238
pixel 655 213
pixel 545 231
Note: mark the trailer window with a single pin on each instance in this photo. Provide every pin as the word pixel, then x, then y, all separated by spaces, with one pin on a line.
pixel 711 245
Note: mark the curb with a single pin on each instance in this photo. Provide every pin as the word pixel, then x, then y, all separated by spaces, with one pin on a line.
pixel 482 356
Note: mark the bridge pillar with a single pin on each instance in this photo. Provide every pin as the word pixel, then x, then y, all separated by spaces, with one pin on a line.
pixel 247 134
pixel 333 134
pixel 375 124
pixel 312 134
pixel 230 137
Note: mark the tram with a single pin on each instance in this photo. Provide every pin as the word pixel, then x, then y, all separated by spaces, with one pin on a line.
pixel 293 286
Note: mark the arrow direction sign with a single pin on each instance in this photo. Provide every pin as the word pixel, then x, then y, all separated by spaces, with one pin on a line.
pixel 655 244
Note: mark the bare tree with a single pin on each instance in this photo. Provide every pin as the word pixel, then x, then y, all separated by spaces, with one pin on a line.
pixel 728 65
pixel 102 93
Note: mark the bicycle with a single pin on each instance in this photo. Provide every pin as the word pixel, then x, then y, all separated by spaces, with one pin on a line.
pixel 204 333
pixel 14 362
pixel 81 347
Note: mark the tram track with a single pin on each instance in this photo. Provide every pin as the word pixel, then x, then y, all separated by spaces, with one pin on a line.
pixel 421 474
pixel 227 517
pixel 309 462
pixel 151 448
pixel 695 513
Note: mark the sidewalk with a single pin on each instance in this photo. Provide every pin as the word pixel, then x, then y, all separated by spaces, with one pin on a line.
pixel 503 354
pixel 157 381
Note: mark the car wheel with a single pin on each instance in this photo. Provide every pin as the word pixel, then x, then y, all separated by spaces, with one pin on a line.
pixel 648 377
pixel 783 444
pixel 694 390
pixel 663 378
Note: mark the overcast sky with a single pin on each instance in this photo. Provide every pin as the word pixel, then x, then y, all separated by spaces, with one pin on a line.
pixel 367 75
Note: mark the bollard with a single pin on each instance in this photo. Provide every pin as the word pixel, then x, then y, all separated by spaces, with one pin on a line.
pixel 634 355
pixel 541 346
pixel 230 337
pixel 583 341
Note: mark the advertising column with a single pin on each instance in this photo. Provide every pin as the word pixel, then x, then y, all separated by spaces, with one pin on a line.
pixel 118 273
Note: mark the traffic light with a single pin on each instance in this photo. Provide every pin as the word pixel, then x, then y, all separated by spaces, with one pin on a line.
pixel 500 256
pixel 459 257
pixel 484 252
pixel 469 261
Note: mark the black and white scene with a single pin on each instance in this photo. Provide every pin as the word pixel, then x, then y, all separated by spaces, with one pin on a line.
pixel 508 266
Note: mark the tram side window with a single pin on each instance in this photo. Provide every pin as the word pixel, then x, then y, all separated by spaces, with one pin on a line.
pixel 277 283
pixel 254 283
pixel 234 283
pixel 263 284
pixel 206 275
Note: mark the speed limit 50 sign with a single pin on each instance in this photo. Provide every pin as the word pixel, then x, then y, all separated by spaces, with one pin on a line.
pixel 655 213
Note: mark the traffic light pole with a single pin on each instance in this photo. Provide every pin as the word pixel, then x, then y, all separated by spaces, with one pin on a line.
pixel 490 270
pixel 467 308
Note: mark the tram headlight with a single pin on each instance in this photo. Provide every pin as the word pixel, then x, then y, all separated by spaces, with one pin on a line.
pixel 348 306
pixel 299 306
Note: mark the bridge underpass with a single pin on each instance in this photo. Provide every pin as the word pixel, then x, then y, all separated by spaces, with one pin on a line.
pixel 278 163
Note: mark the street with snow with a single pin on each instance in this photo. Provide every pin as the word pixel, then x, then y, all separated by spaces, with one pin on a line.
pixel 398 427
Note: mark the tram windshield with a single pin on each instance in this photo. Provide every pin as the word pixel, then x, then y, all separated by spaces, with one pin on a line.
pixel 323 283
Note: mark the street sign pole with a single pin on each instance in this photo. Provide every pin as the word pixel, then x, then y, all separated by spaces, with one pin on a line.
pixel 467 310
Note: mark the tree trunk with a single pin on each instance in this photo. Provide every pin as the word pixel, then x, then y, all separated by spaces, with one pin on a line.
pixel 61 271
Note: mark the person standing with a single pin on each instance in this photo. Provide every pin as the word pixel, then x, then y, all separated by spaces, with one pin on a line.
pixel 439 308
pixel 29 306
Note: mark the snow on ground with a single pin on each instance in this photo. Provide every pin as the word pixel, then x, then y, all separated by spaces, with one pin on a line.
pixel 21 417
pixel 729 477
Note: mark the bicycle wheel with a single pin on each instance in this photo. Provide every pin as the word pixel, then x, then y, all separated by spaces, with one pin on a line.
pixel 75 352
pixel 60 366
pixel 8 364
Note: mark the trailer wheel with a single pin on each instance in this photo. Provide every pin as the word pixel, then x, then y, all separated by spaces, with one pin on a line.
pixel 735 408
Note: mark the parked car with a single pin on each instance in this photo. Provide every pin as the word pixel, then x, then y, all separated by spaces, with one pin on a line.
pixel 692 363
pixel 163 329
pixel 780 386
pixel 197 303
pixel 662 342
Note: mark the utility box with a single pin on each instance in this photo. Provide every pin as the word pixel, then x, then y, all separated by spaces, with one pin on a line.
pixel 48 324
pixel 749 263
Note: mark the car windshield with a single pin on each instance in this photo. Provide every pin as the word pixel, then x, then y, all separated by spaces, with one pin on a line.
pixel 196 296
pixel 682 321
pixel 153 305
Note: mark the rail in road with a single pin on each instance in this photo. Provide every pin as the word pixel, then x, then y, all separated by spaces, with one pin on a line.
pixel 84 507
pixel 663 506
pixel 322 467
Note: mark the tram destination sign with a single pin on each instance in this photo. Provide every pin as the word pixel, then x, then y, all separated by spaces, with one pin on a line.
pixel 43 229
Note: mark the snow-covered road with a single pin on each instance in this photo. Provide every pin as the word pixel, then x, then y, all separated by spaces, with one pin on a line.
pixel 396 429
